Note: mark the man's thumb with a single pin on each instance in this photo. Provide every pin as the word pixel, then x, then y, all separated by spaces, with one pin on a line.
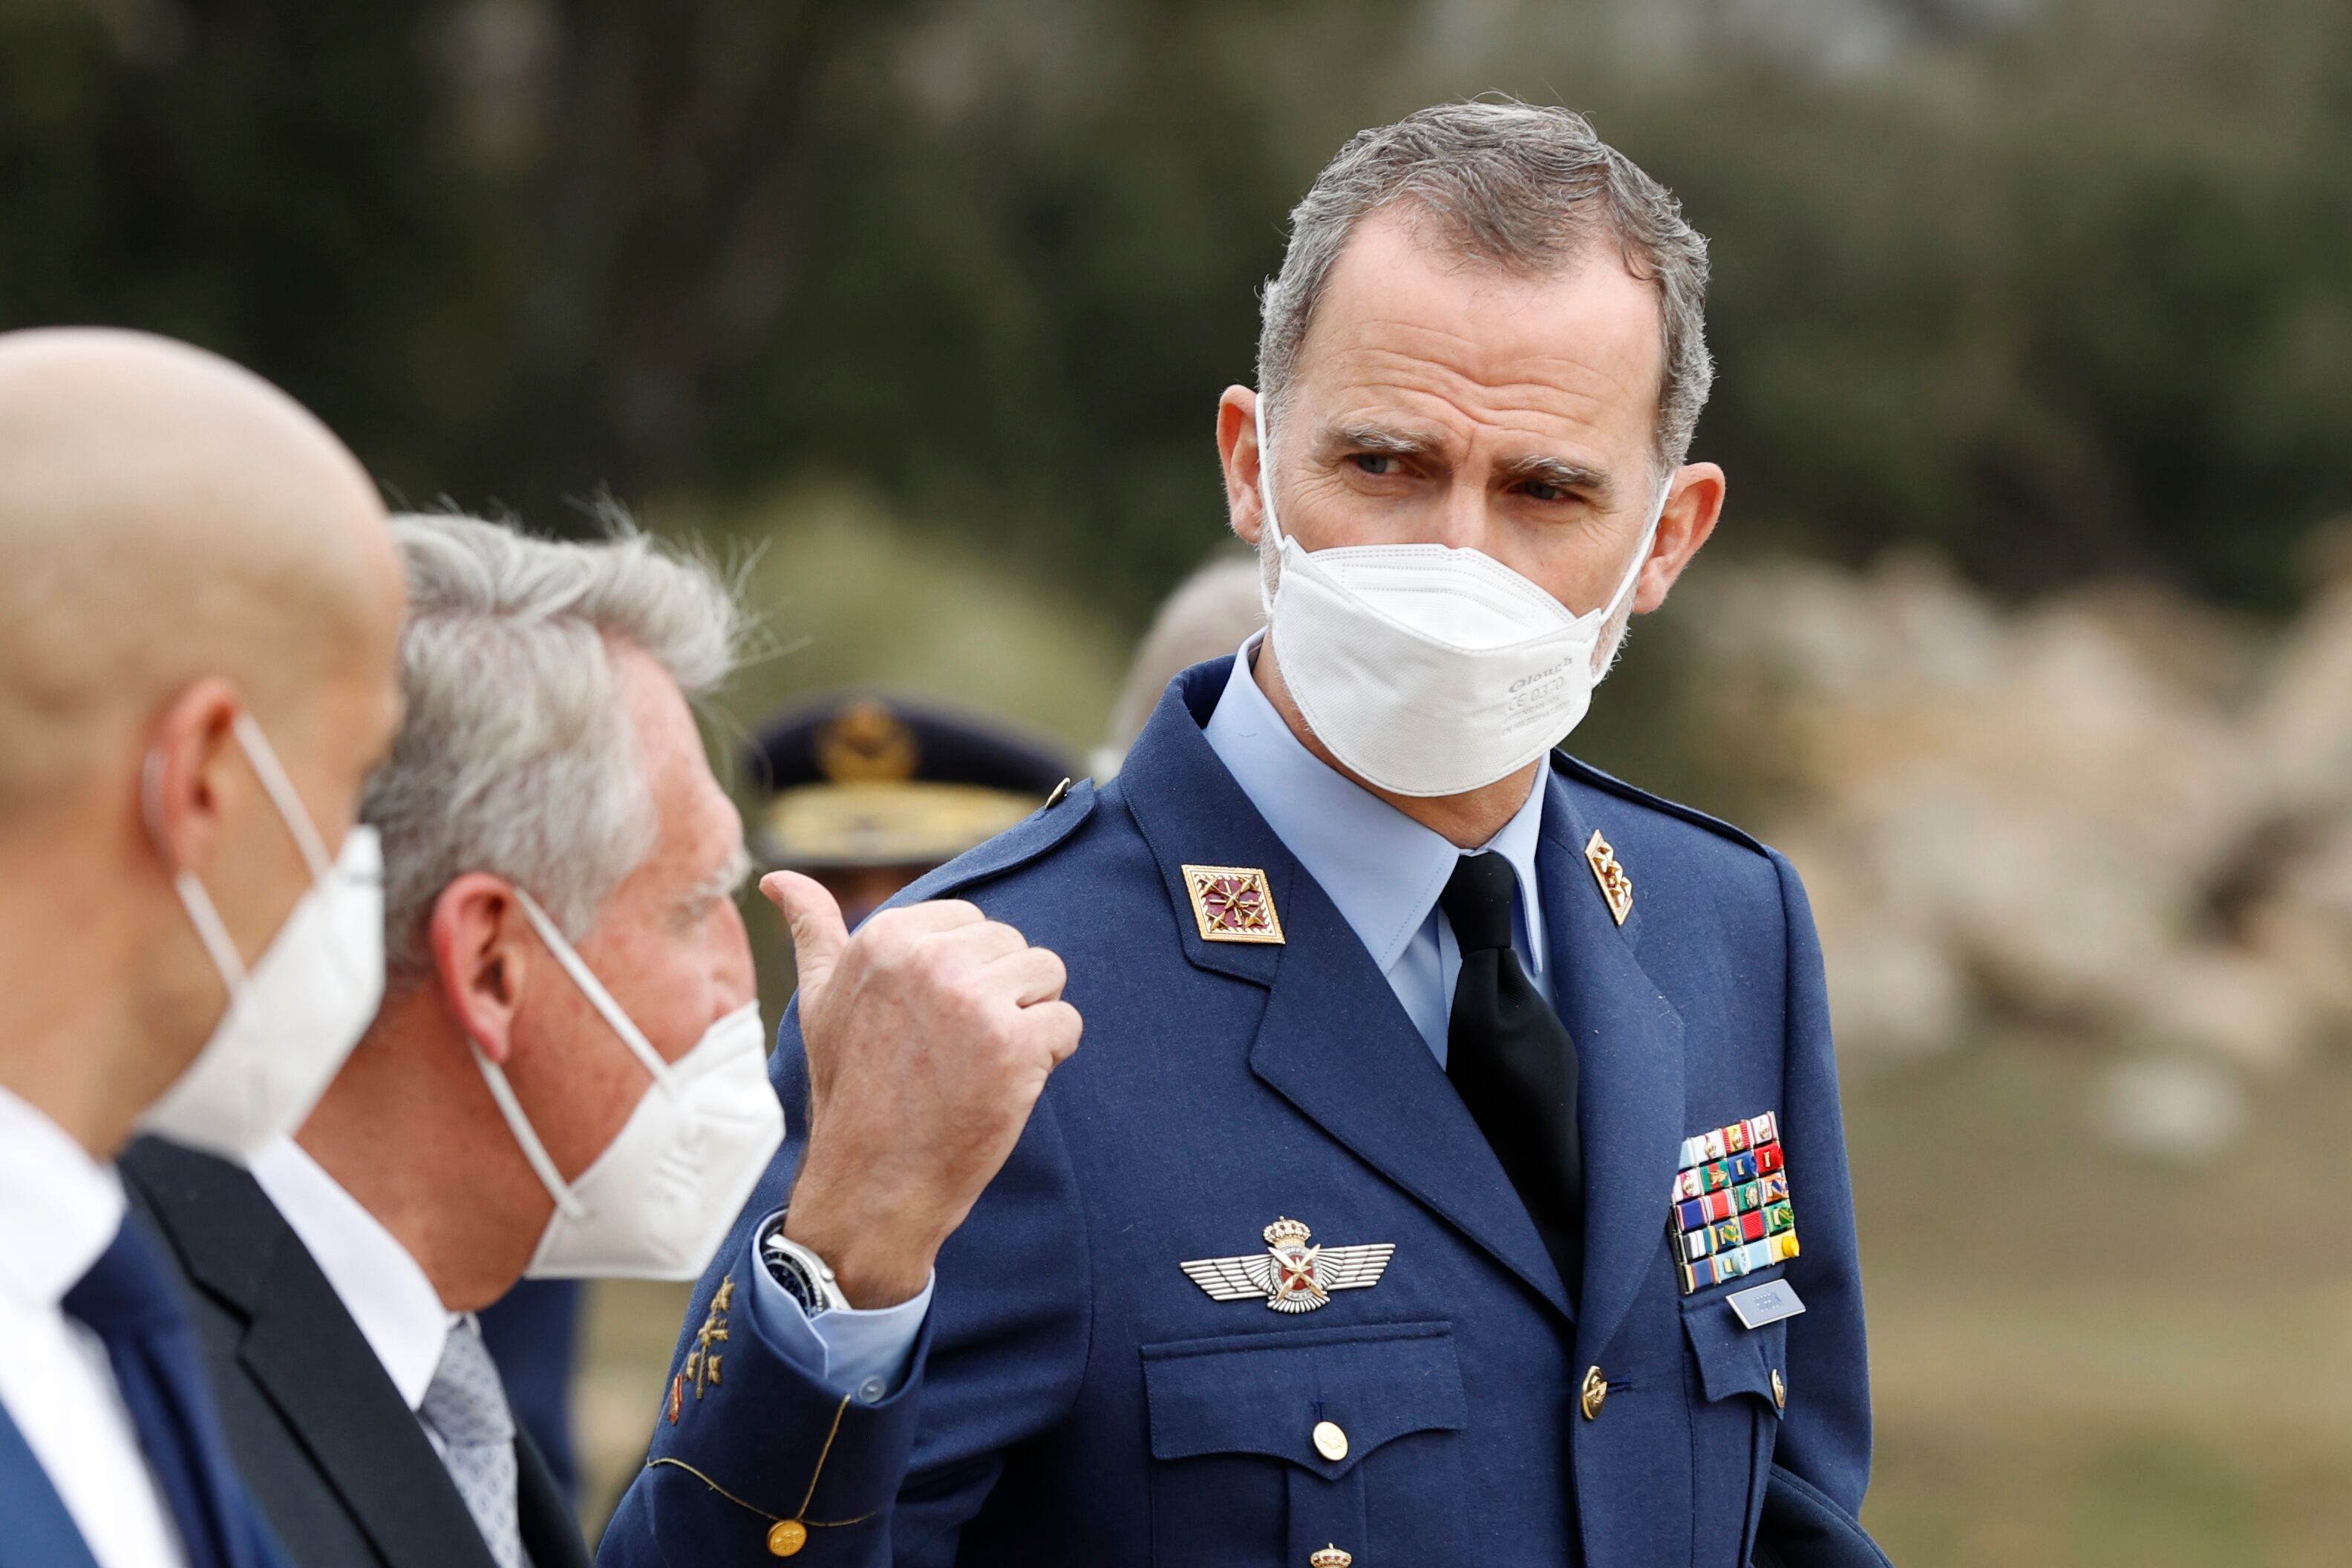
pixel 814 921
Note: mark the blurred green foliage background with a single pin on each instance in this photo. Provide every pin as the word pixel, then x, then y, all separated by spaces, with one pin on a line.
pixel 922 309
pixel 2059 286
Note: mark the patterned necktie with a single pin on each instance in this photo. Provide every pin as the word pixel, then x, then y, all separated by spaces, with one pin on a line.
pixel 466 1408
pixel 131 1304
pixel 1513 1063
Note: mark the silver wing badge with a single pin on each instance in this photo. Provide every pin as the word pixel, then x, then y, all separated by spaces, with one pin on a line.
pixel 1290 1276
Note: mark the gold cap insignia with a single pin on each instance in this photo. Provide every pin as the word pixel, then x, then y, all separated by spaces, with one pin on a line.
pixel 865 742
pixel 1232 903
pixel 1615 886
pixel 1329 1557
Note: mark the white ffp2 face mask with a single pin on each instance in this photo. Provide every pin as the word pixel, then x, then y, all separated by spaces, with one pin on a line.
pixel 1430 670
pixel 658 1201
pixel 295 1015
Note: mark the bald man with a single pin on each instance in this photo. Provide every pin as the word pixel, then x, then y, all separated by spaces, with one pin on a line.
pixel 198 617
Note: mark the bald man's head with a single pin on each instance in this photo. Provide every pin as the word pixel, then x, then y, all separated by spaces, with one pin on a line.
pixel 197 582
pixel 167 515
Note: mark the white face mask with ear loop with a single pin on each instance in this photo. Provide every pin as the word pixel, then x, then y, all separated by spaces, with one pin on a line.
pixel 1430 670
pixel 295 1015
pixel 660 1198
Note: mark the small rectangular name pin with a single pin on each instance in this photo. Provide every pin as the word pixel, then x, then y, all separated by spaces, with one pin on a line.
pixel 1766 1304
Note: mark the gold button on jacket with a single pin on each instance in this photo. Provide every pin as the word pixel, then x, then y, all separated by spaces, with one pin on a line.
pixel 1596 1393
pixel 1330 1441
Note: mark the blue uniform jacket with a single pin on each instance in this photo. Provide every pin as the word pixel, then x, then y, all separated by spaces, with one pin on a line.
pixel 1077 1398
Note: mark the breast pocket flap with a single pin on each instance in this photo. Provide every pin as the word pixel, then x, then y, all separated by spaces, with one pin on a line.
pixel 1303 1395
pixel 1734 1359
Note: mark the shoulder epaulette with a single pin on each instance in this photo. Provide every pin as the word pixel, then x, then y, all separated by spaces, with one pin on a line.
pixel 1585 772
pixel 1018 845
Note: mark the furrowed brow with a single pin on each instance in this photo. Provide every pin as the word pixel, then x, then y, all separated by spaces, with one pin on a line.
pixel 1379 438
pixel 1560 475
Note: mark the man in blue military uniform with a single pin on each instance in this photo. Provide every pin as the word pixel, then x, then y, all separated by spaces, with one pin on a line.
pixel 1453 1170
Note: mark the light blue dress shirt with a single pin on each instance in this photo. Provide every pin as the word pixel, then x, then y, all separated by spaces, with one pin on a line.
pixel 863 1355
pixel 1382 869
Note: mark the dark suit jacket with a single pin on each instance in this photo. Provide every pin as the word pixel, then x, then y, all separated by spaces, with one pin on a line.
pixel 328 1446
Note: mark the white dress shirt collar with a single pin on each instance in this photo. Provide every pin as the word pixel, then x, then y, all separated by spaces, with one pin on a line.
pixel 59 1208
pixel 383 1289
pixel 1382 869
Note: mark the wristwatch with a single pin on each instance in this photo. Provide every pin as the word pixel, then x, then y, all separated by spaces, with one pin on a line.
pixel 807 1277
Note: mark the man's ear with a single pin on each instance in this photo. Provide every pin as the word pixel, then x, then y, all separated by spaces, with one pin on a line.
pixel 193 773
pixel 1693 505
pixel 1238 454
pixel 479 958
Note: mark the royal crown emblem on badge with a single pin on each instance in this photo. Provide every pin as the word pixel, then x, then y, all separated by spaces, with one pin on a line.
pixel 1291 1275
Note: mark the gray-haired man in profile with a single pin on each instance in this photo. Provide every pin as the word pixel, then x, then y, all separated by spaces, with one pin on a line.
pixel 566 1077
pixel 1429 1191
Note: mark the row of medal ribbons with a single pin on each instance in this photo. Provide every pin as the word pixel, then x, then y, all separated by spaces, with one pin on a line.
pixel 1700 1273
pixel 1723 1235
pixel 1724 1142
pixel 1769 1191
pixel 1717 1174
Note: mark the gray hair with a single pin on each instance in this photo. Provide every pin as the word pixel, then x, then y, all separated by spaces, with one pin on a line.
pixel 1525 188
pixel 516 755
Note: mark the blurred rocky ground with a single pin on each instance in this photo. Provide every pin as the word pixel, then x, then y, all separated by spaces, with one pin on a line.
pixel 2115 818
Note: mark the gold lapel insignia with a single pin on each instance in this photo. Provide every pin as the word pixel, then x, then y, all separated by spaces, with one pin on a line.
pixel 702 1362
pixel 1615 886
pixel 1289 1274
pixel 1232 903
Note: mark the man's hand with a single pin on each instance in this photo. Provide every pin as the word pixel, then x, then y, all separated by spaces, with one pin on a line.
pixel 929 1036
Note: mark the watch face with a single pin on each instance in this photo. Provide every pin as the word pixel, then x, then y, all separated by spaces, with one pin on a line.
pixel 787 1271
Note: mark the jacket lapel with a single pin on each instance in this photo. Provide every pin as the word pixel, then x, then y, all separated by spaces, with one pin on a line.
pixel 551 1535
pixel 1629 1046
pixel 316 1366
pixel 1333 1040
pixel 301 1347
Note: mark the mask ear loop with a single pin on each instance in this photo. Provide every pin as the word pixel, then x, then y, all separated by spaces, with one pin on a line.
pixel 282 794
pixel 1265 589
pixel 1618 599
pixel 211 930
pixel 526 1137
pixel 594 989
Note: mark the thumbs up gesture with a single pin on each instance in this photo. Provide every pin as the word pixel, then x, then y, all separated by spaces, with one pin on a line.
pixel 929 1035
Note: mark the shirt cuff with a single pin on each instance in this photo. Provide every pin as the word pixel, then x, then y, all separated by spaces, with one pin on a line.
pixel 862 1354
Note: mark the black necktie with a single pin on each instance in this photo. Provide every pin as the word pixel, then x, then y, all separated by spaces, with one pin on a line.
pixel 128 1299
pixel 1512 1061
